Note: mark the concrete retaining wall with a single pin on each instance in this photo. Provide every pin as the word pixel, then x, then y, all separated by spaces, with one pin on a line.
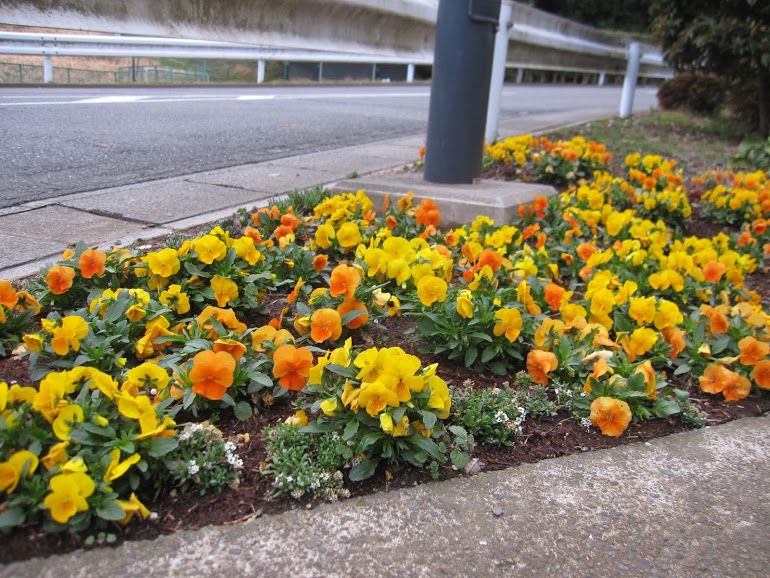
pixel 398 28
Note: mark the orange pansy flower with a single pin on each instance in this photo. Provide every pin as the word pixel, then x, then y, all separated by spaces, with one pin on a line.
pixel 491 258
pixel 540 364
pixel 325 324
pixel 59 279
pixel 92 263
pixel 320 262
pixel 752 350
pixel 8 295
pixel 713 271
pixel 761 374
pixel 290 220
pixel 716 378
pixel 585 250
pixel 554 295
pixel 427 213
pixel 610 415
pixel 253 234
pixel 282 230
pixel 349 305
pixel 738 387
pixel 231 346
pixel 344 281
pixel 291 366
pixel 212 373
pixel 675 338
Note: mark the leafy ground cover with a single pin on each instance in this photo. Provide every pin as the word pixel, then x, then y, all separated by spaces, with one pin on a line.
pixel 320 348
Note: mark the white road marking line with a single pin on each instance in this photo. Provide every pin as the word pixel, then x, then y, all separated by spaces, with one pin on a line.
pixel 117 99
pixel 256 97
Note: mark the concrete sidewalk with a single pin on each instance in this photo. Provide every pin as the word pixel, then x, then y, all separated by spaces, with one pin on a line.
pixel 35 233
pixel 691 504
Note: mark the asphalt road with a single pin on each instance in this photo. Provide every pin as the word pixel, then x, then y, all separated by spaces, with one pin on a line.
pixel 56 141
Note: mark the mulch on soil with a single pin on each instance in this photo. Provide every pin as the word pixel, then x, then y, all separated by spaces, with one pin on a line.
pixel 542 438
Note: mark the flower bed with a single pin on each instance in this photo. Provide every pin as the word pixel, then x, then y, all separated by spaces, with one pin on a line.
pixel 338 348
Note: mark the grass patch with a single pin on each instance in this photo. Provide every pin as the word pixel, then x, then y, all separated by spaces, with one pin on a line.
pixel 697 142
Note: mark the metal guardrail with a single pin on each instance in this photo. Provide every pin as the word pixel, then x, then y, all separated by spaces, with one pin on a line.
pixel 154 47
pixel 343 31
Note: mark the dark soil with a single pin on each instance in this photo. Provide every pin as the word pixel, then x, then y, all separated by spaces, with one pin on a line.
pixel 542 439
pixel 15 370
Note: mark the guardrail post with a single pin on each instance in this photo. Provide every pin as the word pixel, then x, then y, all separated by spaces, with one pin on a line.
pixel 320 71
pixel 498 70
pixel 260 71
pixel 629 82
pixel 602 78
pixel 519 76
pixel 374 72
pixel 459 95
pixel 410 72
pixel 47 69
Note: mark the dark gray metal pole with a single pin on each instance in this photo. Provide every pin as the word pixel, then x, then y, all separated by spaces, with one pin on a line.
pixel 462 66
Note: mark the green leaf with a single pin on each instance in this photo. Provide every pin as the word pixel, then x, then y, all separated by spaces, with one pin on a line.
pixel 426 444
pixel 193 269
pixel 369 439
pixel 318 427
pixel 83 437
pixel 459 459
pixel 720 344
pixel 107 432
pixel 261 379
pixel 470 356
pixel 399 413
pixel 481 336
pixel 188 398
pixel 498 368
pixel 110 511
pixel 159 447
pixel 243 410
pixel 196 345
pixel 489 352
pixel 362 470
pixel 666 407
pixel 684 368
pixel 428 419
pixel 349 372
pixel 350 429
pixel 351 315
pixel 12 517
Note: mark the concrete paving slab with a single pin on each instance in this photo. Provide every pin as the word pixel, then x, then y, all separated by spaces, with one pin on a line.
pixel 690 504
pixel 207 218
pixel 11 210
pixel 392 152
pixel 15 250
pixel 339 162
pixel 411 142
pixel 458 203
pixel 538 123
pixel 266 177
pixel 162 202
pixel 17 268
pixel 65 225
